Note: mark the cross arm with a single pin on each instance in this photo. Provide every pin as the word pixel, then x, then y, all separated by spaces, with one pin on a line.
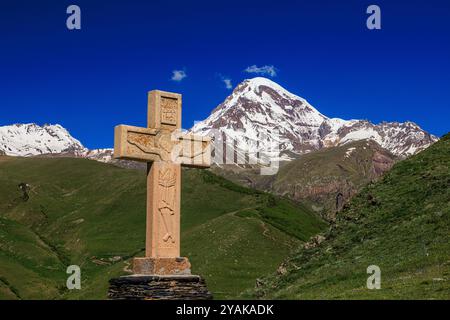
pixel 193 151
pixel 148 145
pixel 136 143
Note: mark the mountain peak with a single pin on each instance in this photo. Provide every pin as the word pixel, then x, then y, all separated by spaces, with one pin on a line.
pixel 261 81
pixel 259 85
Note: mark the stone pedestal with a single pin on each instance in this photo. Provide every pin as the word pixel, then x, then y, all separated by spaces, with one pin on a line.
pixel 156 287
pixel 161 266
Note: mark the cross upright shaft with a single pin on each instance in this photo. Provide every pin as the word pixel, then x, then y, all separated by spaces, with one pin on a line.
pixel 165 149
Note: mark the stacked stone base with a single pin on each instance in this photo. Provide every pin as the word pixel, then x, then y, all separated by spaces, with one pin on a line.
pixel 157 287
pixel 161 266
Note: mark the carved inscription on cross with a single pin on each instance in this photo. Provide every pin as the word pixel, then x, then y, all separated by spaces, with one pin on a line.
pixel 165 148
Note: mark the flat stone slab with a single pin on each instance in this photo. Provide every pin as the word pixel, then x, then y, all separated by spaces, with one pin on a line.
pixel 157 287
pixel 161 266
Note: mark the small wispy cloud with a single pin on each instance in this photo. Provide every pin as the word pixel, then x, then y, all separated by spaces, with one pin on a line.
pixel 225 80
pixel 228 83
pixel 178 75
pixel 263 70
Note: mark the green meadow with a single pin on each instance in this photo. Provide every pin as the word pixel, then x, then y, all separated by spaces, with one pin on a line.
pixel 90 214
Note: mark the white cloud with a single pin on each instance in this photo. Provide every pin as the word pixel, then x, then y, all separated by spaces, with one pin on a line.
pixel 178 75
pixel 225 80
pixel 263 70
pixel 228 83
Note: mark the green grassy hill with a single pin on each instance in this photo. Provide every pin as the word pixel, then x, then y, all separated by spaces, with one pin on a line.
pixel 91 214
pixel 401 224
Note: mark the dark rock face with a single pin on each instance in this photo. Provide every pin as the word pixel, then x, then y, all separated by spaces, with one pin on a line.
pixel 154 287
pixel 381 163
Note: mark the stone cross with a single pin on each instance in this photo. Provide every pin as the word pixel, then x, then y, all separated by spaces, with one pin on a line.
pixel 165 149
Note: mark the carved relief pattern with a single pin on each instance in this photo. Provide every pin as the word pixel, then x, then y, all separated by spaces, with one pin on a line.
pixel 169 111
pixel 162 145
pixel 144 142
pixel 159 144
pixel 166 204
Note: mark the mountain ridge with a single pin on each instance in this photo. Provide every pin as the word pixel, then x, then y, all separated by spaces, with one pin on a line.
pixel 30 139
pixel 259 106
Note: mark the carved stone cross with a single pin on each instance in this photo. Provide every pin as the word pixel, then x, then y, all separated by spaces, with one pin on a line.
pixel 165 149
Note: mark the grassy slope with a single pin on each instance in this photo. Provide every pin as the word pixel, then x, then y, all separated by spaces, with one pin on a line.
pixel 401 224
pixel 86 213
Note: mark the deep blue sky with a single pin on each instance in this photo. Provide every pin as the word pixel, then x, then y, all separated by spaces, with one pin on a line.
pixel 92 79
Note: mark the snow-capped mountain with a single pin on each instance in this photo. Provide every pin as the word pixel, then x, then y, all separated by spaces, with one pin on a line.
pixel 102 155
pixel 259 107
pixel 31 139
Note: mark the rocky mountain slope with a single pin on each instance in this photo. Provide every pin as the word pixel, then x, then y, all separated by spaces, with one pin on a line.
pixel 323 180
pixel 259 107
pixel 400 224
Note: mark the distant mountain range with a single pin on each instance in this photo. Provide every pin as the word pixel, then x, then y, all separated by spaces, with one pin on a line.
pixel 260 106
pixel 256 107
